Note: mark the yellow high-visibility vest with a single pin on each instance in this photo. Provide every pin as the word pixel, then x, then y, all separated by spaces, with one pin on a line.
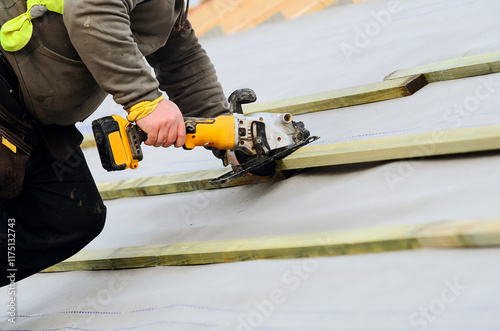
pixel 17 32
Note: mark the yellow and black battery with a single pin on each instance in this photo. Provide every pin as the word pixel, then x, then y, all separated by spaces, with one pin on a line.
pixel 118 143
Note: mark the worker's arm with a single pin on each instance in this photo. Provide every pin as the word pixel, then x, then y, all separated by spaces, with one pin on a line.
pixel 186 73
pixel 102 33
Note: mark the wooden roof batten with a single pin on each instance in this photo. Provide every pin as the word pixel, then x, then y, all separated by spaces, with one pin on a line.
pixel 435 235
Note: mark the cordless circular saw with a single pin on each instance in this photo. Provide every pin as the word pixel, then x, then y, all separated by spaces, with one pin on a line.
pixel 258 140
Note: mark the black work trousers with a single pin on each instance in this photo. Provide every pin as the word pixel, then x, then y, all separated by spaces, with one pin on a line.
pixel 58 212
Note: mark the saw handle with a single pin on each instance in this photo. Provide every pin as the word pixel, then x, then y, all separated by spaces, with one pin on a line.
pixel 219 132
pixel 239 97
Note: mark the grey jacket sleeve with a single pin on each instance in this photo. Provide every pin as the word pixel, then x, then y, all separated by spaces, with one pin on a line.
pixel 101 33
pixel 186 73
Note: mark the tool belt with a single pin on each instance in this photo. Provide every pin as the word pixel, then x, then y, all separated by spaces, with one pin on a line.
pixel 14 126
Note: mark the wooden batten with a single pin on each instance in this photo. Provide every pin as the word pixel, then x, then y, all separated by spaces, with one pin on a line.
pixel 88 141
pixel 419 145
pixel 444 234
pixel 176 183
pixel 352 96
pixel 457 141
pixel 468 66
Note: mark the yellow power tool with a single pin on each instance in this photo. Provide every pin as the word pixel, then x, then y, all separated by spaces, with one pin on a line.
pixel 258 139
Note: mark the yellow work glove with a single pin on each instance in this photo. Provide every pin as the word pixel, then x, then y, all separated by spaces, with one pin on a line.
pixel 142 109
pixel 17 32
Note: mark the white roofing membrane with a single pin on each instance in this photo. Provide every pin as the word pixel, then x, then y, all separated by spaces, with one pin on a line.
pixel 409 290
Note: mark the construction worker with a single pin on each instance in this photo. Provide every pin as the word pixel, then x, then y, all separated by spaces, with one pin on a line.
pixel 59 63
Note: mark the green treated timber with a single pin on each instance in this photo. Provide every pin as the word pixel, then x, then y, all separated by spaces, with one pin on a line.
pixel 175 183
pixel 443 234
pixel 420 145
pixel 88 141
pixel 358 95
pixel 468 66
pixel 386 90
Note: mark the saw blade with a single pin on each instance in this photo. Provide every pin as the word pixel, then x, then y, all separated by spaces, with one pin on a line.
pixel 259 161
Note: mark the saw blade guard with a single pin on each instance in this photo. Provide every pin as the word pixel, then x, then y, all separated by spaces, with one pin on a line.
pixel 261 133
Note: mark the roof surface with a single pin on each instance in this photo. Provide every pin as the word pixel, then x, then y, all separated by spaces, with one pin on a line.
pixel 407 290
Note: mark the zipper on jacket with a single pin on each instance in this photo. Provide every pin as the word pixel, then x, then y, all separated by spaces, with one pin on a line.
pixel 4 80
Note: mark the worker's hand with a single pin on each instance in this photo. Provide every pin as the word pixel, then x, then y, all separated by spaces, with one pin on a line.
pixel 164 126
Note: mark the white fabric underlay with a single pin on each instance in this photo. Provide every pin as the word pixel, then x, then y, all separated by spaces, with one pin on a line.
pixel 407 290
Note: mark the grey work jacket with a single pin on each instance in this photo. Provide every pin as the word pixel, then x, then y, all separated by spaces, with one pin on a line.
pixel 98 47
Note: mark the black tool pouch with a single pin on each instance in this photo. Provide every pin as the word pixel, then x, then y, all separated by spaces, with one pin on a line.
pixel 14 126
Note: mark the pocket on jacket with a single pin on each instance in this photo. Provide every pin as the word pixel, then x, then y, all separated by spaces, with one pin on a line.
pixel 58 90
